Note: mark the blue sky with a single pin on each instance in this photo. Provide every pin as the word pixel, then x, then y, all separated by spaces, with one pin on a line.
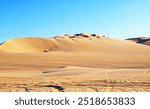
pixel 113 18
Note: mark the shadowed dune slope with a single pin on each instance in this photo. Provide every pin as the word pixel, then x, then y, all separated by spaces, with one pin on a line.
pixel 141 40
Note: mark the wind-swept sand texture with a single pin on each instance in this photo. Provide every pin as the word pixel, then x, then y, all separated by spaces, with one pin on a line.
pixel 81 62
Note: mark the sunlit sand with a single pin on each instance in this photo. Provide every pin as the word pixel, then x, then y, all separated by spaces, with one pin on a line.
pixel 74 63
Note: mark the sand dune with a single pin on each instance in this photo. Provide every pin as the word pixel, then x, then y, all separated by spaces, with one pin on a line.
pixel 80 62
pixel 141 40
pixel 70 43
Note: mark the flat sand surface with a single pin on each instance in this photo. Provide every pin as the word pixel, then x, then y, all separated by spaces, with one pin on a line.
pixel 76 80
pixel 74 65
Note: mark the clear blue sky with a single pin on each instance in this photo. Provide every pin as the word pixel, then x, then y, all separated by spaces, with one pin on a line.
pixel 114 18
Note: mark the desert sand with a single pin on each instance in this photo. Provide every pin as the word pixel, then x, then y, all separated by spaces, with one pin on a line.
pixel 74 63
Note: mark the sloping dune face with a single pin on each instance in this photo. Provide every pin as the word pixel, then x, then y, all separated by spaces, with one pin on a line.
pixel 32 45
pixel 141 40
pixel 71 43
pixel 67 42
pixel 59 43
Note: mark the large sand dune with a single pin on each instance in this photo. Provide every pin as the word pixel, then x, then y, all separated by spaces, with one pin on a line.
pixel 81 62
pixel 77 43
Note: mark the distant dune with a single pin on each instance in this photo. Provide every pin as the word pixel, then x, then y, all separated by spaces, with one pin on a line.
pixel 141 40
